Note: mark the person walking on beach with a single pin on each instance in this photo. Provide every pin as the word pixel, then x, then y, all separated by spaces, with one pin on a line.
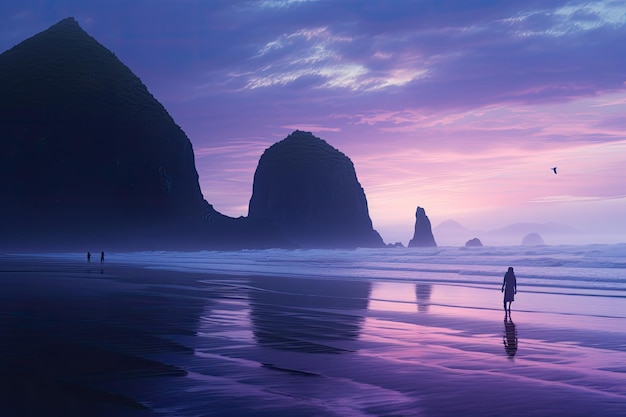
pixel 509 288
pixel 101 257
pixel 88 256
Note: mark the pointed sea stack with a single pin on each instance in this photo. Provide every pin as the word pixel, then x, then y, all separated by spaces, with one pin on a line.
pixel 423 235
pixel 87 155
pixel 308 191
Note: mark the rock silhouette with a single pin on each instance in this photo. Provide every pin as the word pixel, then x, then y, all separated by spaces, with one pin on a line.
pixel 89 158
pixel 88 149
pixel 423 235
pixel 532 239
pixel 475 242
pixel 308 191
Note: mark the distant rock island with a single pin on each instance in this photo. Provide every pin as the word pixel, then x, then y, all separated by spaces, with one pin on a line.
pixel 532 239
pixel 90 159
pixel 309 192
pixel 423 235
pixel 474 243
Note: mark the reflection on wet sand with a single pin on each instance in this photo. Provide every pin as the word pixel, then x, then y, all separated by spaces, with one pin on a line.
pixel 306 315
pixel 422 295
pixel 510 338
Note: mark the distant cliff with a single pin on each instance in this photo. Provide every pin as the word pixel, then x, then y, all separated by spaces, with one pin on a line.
pixel 423 234
pixel 308 191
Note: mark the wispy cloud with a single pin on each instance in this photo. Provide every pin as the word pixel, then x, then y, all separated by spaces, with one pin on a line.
pixel 570 19
pixel 277 4
pixel 235 148
pixel 572 199
pixel 312 128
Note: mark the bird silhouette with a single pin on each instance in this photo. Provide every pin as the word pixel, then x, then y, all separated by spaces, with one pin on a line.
pixel 554 169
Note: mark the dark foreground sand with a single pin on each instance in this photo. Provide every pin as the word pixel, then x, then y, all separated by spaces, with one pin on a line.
pixel 82 339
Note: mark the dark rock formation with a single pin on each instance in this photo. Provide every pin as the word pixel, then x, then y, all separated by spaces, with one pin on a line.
pixel 532 239
pixel 89 158
pixel 395 245
pixel 309 192
pixel 423 235
pixel 475 242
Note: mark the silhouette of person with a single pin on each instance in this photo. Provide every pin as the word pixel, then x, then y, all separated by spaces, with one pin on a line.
pixel 510 338
pixel 101 257
pixel 509 288
pixel 88 256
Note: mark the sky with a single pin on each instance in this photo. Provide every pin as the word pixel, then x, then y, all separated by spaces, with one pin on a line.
pixel 460 107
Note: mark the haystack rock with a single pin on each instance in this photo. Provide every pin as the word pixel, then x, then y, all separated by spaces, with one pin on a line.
pixel 308 191
pixel 423 235
pixel 88 157
pixel 473 243
pixel 532 239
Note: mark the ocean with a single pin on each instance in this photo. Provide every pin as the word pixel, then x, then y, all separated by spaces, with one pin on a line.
pixel 595 268
pixel 585 270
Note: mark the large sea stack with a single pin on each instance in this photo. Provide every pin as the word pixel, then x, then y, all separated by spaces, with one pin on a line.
pixel 308 191
pixel 88 157
pixel 423 234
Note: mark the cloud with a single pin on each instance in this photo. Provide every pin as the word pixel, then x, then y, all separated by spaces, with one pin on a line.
pixel 571 18
pixel 280 3
pixel 569 199
pixel 317 53
pixel 234 148
pixel 365 57
pixel 312 128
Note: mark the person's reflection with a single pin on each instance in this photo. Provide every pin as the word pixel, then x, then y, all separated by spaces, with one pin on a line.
pixel 510 338
pixel 307 315
pixel 422 295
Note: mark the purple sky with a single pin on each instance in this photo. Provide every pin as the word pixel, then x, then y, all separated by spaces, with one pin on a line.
pixel 461 107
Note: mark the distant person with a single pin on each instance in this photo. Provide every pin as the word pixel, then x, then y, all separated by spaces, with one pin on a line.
pixel 88 256
pixel 101 257
pixel 509 288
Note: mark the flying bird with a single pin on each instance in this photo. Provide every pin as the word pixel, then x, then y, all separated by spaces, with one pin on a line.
pixel 554 169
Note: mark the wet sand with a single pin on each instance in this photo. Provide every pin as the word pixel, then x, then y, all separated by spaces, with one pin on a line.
pixel 82 339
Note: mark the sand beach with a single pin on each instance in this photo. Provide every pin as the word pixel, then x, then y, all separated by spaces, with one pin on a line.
pixel 122 339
